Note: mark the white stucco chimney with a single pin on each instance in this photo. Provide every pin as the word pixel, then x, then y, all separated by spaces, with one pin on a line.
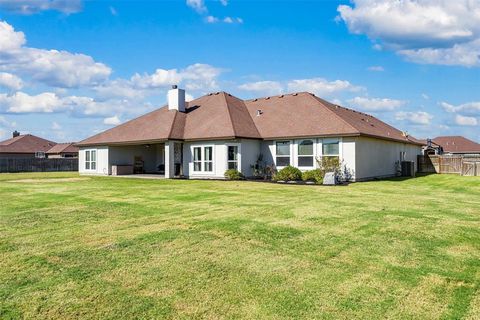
pixel 176 99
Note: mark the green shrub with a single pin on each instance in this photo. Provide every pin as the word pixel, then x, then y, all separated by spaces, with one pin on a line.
pixel 313 175
pixel 288 173
pixel 233 174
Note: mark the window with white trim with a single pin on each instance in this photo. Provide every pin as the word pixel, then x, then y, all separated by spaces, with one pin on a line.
pixel 305 153
pixel 203 159
pixel 331 149
pixel 90 159
pixel 282 153
pixel 40 154
pixel 232 157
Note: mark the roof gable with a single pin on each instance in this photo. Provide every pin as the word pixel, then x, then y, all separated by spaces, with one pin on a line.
pixel 67 147
pixel 295 115
pixel 223 116
pixel 457 144
pixel 26 143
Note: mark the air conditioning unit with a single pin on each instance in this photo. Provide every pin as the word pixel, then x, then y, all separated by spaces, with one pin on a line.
pixel 408 169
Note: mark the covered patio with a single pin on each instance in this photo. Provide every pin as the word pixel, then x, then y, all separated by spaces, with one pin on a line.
pixel 161 159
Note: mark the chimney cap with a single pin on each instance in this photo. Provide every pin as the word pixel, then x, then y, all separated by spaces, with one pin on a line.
pixel 174 86
pixel 15 134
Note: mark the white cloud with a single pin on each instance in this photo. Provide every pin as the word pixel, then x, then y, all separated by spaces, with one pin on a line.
pixel 376 104
pixel 419 117
pixel 376 68
pixel 231 20
pixel 23 103
pixel 35 6
pixel 425 96
pixel 4 122
pixel 224 2
pixel 114 121
pixel 56 126
pixel 52 67
pixel 263 87
pixel 318 86
pixel 424 31
pixel 228 20
pixel 465 121
pixel 197 5
pixel 470 108
pixel 321 87
pixel 49 102
pixel 197 76
pixel 119 88
pixel 211 19
pixel 10 81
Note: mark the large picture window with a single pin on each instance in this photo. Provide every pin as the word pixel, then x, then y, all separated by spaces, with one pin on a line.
pixel 203 159
pixel 232 157
pixel 90 160
pixel 305 153
pixel 283 153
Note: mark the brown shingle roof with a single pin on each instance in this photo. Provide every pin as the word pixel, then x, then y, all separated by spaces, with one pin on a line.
pixel 221 115
pixel 457 144
pixel 68 147
pixel 25 143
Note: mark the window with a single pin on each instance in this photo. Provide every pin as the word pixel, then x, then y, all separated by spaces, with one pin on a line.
pixel 39 154
pixel 90 160
pixel 197 159
pixel 305 153
pixel 403 155
pixel 331 150
pixel 208 159
pixel 232 157
pixel 283 153
pixel 205 163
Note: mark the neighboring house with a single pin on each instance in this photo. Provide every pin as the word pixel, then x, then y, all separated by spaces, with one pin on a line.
pixel 63 150
pixel 457 145
pixel 205 137
pixel 25 146
pixel 431 148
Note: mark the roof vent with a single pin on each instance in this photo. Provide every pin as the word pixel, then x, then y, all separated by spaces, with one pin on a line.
pixel 267 98
pixel 281 96
pixel 295 94
pixel 255 99
pixel 15 134
pixel 259 112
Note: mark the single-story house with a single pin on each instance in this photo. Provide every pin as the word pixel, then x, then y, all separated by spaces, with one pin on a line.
pixel 25 146
pixel 453 145
pixel 205 137
pixel 63 150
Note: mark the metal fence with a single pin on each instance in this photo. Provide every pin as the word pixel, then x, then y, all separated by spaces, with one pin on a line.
pixel 38 165
pixel 457 164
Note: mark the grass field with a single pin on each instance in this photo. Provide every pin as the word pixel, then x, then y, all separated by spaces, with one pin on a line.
pixel 112 248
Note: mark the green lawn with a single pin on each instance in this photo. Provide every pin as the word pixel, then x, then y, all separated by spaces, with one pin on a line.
pixel 113 248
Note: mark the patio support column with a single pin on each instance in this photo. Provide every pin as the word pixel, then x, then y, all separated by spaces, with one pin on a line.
pixel 169 159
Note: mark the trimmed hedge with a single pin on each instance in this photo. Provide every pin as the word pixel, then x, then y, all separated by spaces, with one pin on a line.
pixel 315 175
pixel 288 173
pixel 233 174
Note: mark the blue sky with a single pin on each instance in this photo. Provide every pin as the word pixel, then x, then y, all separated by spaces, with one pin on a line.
pixel 69 69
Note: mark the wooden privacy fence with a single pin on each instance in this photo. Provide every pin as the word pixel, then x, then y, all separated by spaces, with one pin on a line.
pixel 38 165
pixel 457 164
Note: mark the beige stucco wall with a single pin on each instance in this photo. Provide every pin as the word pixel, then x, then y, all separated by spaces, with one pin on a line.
pixel 103 167
pixel 249 151
pixel 376 158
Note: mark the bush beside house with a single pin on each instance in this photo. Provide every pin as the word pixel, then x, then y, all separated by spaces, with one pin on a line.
pixel 315 175
pixel 233 174
pixel 288 173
